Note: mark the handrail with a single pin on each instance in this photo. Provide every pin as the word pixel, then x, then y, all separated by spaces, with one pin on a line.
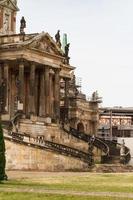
pixel 11 122
pixel 85 137
pixel 45 144
pixel 126 149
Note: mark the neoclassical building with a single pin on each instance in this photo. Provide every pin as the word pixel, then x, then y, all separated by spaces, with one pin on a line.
pixel 39 99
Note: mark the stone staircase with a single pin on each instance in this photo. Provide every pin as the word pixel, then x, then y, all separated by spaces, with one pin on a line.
pixel 114 153
pixel 23 139
pixel 110 148
pixel 87 138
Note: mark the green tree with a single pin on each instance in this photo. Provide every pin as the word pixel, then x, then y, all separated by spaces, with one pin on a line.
pixel 3 175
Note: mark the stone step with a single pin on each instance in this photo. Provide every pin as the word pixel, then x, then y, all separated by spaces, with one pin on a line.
pixel 111 159
pixel 111 168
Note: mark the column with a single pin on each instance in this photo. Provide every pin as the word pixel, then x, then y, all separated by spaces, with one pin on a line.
pixel 57 95
pixel 32 89
pixel 6 87
pixel 66 99
pixel 1 91
pixel 42 94
pixel 47 99
pixel 51 95
pixel 36 92
pixel 0 74
pixel 21 87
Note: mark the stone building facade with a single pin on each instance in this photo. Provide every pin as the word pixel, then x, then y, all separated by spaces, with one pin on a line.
pixel 38 96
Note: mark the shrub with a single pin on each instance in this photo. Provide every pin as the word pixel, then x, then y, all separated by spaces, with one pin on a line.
pixel 3 175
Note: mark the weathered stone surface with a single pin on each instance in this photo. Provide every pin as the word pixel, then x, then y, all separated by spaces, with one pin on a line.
pixel 53 133
pixel 109 168
pixel 20 157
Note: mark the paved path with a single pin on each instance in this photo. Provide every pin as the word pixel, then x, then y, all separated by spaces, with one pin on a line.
pixel 68 192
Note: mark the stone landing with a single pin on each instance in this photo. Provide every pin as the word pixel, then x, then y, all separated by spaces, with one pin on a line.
pixel 111 168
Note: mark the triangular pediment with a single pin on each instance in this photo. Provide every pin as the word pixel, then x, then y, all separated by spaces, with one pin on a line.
pixel 9 4
pixel 43 42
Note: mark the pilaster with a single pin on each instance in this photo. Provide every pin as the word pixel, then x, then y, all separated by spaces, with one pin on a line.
pixel 66 101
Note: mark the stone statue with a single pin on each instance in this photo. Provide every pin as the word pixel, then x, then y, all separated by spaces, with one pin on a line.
pixel 95 96
pixel 22 25
pixel 57 38
pixel 67 49
pixel 6 24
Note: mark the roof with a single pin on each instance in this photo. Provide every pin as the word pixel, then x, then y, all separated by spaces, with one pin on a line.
pixel 128 111
pixel 33 41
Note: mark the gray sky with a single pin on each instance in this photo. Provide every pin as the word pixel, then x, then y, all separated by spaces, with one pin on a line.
pixel 101 37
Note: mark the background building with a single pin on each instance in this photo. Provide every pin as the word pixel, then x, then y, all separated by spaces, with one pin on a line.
pixel 115 122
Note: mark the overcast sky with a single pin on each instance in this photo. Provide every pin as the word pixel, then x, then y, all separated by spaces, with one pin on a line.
pixel 100 33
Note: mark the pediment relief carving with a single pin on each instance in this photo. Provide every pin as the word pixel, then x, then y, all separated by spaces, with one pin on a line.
pixel 9 4
pixel 44 45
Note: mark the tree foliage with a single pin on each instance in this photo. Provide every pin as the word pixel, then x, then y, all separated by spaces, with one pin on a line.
pixel 2 156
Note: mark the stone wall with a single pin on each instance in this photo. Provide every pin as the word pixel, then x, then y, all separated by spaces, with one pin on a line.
pixel 52 133
pixel 20 157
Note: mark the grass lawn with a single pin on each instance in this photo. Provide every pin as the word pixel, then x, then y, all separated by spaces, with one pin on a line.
pixel 78 182
pixel 27 196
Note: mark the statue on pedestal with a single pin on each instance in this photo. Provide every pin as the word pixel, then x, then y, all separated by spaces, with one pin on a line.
pixel 22 25
pixel 67 49
pixel 57 38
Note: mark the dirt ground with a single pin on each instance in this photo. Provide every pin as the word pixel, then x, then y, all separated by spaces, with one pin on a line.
pixel 35 175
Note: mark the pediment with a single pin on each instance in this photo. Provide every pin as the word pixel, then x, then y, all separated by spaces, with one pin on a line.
pixel 43 42
pixel 9 4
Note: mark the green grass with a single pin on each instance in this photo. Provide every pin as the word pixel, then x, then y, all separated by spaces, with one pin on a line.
pixel 30 196
pixel 81 182
pixel 87 182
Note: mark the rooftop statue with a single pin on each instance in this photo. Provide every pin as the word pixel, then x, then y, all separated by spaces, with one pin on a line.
pixel 67 49
pixel 22 25
pixel 95 96
pixel 57 38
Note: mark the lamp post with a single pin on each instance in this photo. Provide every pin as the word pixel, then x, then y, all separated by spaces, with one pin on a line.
pixel 111 125
pixel 109 113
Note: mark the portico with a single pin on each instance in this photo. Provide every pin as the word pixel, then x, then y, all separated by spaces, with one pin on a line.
pixel 30 77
